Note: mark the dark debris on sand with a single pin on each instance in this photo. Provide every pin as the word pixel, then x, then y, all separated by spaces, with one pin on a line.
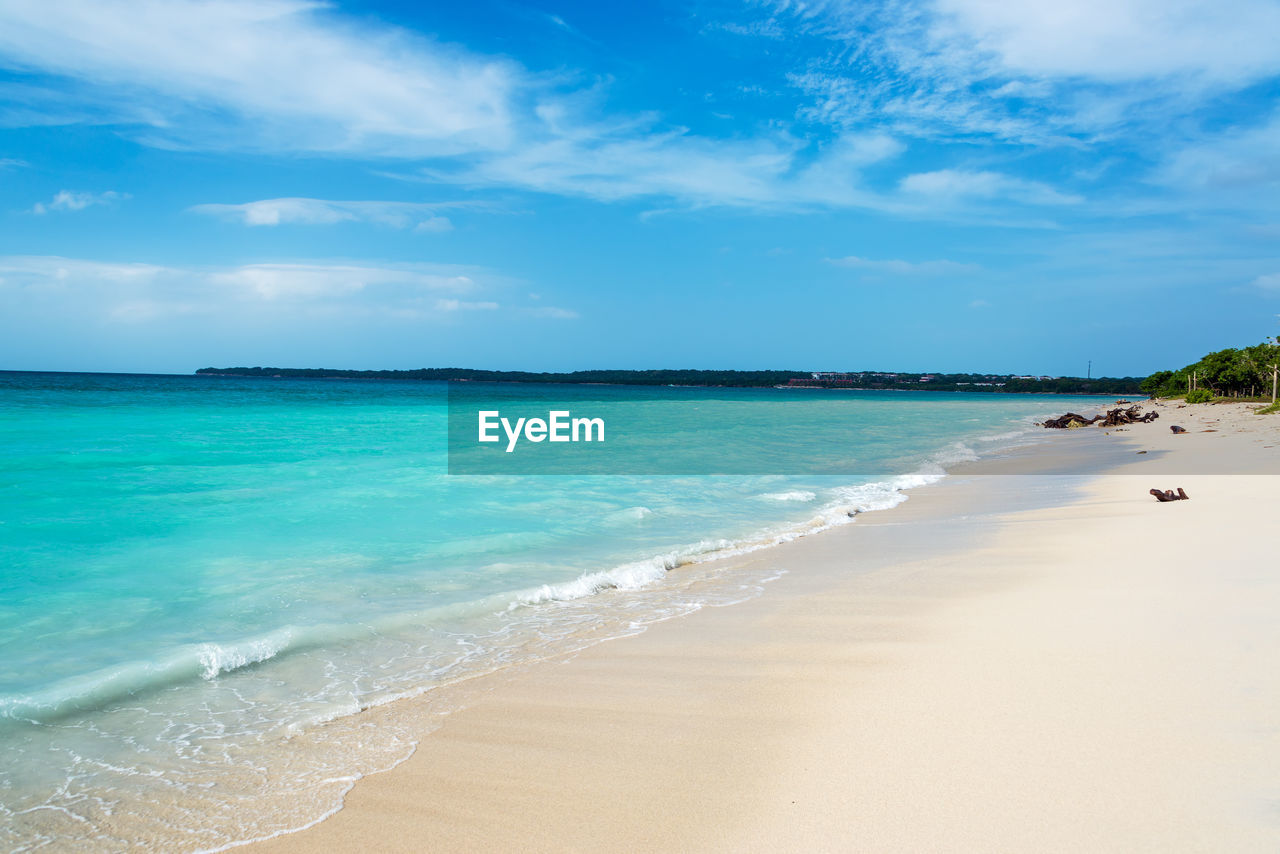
pixel 1113 418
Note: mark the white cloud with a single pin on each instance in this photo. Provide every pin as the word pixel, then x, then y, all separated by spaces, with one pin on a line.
pixel 294 75
pixel 1042 72
pixel 461 305
pixel 278 73
pixel 622 163
pixel 1022 89
pixel 961 183
pixel 553 312
pixel 291 75
pixel 127 316
pixel 1269 282
pixel 138 291
pixel 904 268
pixel 627 166
pixel 293 281
pixel 1241 158
pixel 12 163
pixel 68 201
pixel 39 270
pixel 434 225
pixel 1103 40
pixel 422 217
pixel 1120 39
pixel 768 28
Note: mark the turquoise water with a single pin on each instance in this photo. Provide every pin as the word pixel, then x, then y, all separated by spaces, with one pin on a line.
pixel 202 579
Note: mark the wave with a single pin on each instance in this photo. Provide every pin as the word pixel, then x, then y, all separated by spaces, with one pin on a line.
pixel 630 514
pixel 205 661
pixel 208 661
pixel 217 659
pixel 793 495
pixel 849 501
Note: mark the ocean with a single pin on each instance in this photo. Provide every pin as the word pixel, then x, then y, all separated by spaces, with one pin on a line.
pixel 204 580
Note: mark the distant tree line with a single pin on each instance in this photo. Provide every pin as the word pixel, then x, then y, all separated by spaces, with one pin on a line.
pixel 742 379
pixel 1234 372
pixel 734 379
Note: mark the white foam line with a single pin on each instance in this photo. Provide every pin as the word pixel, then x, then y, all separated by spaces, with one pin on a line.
pixel 878 495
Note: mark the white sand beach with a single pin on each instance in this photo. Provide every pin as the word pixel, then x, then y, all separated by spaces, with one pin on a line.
pixel 971 671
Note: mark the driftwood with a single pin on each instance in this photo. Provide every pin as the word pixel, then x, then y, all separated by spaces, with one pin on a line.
pixel 1170 495
pixel 1132 415
pixel 1113 418
pixel 1071 419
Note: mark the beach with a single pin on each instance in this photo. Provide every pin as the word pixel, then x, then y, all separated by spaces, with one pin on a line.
pixel 220 592
pixel 1006 662
pixel 646 427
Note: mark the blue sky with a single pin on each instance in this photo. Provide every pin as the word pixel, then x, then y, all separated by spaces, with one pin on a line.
pixel 947 185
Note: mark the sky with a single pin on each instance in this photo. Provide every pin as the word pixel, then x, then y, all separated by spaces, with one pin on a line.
pixel 914 185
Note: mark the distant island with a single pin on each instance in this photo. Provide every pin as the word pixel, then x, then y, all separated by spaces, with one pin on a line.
pixel 900 380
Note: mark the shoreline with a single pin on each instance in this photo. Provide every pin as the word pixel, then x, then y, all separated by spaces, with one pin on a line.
pixel 510 719
pixel 281 717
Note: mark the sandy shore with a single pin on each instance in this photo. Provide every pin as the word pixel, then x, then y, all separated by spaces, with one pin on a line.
pixel 1004 663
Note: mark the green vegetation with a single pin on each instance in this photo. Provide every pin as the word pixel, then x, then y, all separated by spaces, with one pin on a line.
pixel 1234 372
pixel 738 379
pixel 1200 395
pixel 1273 409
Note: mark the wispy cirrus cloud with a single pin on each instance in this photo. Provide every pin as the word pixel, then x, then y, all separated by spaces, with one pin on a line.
pixel 552 312
pixel 426 217
pixel 955 184
pixel 1026 70
pixel 1269 283
pixel 285 75
pixel 136 292
pixel 325 281
pixel 1118 40
pixel 114 287
pixel 69 201
pixel 1240 158
pixel 873 79
pixel 1141 78
pixel 464 305
pixel 142 316
pixel 610 164
pixel 900 267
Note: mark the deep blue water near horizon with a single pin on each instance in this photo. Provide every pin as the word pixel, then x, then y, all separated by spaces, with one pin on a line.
pixel 202 579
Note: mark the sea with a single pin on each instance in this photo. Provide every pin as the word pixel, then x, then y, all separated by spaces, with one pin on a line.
pixel 208 585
